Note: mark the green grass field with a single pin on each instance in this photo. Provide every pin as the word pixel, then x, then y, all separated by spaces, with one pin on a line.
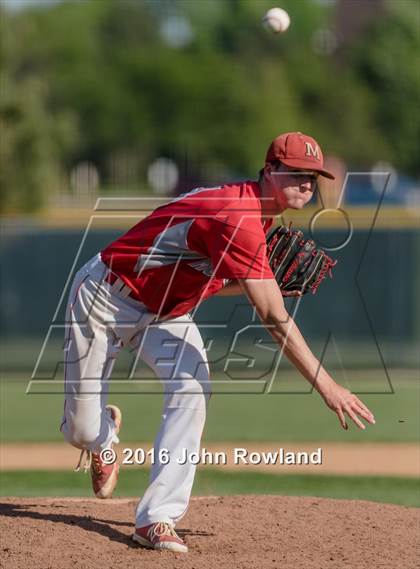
pixel 403 491
pixel 35 417
pixel 294 417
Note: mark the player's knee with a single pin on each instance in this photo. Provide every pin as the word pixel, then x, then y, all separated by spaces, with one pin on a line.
pixel 80 436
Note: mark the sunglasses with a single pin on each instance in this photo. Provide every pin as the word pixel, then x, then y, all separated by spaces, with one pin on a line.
pixel 300 175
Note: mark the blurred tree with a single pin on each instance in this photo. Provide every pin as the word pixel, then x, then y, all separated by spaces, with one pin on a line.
pixel 386 59
pixel 33 144
pixel 107 75
pixel 33 140
pixel 82 48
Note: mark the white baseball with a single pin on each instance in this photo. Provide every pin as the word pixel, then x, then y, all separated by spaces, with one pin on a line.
pixel 276 20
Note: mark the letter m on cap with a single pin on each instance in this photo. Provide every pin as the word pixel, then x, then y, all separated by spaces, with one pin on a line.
pixel 312 150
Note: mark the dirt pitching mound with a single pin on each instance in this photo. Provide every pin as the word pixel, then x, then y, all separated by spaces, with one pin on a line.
pixel 235 532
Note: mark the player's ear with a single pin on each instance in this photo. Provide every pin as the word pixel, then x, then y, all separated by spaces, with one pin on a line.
pixel 272 166
pixel 263 171
pixel 268 168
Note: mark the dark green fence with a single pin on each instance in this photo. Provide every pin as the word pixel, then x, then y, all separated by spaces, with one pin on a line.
pixel 367 315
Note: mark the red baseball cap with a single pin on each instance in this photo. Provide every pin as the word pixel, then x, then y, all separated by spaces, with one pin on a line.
pixel 298 150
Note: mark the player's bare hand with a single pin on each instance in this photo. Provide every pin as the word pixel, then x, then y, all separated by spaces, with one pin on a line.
pixel 344 403
pixel 291 293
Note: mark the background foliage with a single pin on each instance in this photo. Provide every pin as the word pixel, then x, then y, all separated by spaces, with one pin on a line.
pixel 94 80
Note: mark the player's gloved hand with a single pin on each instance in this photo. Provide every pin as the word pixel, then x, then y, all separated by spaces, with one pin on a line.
pixel 343 402
pixel 298 266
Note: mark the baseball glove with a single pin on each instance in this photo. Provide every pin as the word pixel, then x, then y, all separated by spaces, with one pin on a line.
pixel 297 264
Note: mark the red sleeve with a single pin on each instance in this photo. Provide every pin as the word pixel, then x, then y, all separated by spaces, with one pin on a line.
pixel 239 252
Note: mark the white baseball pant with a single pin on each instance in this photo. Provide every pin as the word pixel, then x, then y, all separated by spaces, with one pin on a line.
pixel 100 320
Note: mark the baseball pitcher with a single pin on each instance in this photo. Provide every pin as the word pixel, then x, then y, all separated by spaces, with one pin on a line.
pixel 139 292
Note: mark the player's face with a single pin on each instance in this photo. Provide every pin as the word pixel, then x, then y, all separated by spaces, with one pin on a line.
pixel 291 188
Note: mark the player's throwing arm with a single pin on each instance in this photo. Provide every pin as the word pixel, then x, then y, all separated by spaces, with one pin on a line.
pixel 266 296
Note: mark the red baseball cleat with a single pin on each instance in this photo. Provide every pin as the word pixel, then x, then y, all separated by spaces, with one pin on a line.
pixel 104 476
pixel 161 536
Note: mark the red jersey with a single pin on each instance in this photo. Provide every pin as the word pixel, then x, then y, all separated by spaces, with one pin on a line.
pixel 185 250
